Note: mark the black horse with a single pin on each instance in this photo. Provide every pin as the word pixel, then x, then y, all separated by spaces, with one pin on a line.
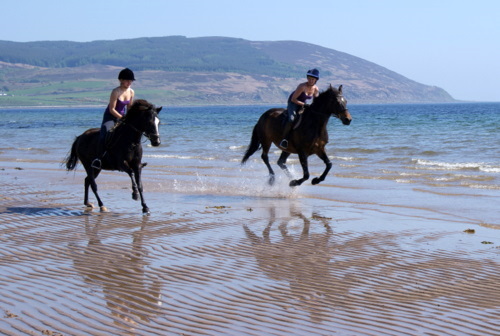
pixel 309 137
pixel 123 149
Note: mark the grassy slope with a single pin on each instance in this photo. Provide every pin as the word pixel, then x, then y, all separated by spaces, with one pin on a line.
pixel 180 71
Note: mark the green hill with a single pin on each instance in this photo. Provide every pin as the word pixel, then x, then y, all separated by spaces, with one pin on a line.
pixel 176 70
pixel 174 53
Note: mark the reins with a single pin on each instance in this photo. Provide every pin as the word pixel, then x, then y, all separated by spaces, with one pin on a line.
pixel 135 129
pixel 114 139
pixel 313 110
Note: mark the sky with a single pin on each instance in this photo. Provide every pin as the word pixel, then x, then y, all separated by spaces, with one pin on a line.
pixel 452 44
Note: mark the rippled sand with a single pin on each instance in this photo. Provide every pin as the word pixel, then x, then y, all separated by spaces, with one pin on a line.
pixel 216 264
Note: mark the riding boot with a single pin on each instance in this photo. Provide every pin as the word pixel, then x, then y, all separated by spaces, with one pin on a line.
pixel 287 131
pixel 97 162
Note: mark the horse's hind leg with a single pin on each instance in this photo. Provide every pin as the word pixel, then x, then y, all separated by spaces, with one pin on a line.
pixel 265 158
pixel 328 164
pixel 91 181
pixel 86 197
pixel 282 163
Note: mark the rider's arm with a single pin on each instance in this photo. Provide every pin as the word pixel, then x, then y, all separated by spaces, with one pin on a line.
pixel 112 104
pixel 296 95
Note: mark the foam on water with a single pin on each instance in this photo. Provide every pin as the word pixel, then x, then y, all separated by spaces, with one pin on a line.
pixel 482 166
pixel 383 141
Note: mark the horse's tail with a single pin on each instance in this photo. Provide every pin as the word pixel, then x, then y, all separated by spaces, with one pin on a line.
pixel 72 159
pixel 253 146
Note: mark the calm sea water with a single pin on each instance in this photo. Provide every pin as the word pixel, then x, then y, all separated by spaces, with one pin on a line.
pixel 437 145
pixel 392 152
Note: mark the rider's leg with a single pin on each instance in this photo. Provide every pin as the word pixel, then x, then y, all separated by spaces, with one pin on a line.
pixel 291 108
pixel 286 131
pixel 101 145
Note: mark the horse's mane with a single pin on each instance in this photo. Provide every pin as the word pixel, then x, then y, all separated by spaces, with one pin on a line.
pixel 140 105
pixel 326 95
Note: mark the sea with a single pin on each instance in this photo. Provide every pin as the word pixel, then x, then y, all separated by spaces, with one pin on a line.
pixel 392 152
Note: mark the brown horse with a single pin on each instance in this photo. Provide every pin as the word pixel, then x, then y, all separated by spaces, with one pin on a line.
pixel 309 137
pixel 123 149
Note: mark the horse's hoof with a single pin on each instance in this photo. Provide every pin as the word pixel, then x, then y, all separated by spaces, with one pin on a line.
pixel 89 206
pixel 315 181
pixel 103 209
pixel 135 196
pixel 294 183
pixel 145 212
pixel 271 180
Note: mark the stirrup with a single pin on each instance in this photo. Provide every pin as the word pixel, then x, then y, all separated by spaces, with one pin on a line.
pixel 96 164
pixel 284 143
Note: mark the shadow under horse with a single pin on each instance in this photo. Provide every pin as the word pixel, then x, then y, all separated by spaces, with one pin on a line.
pixel 123 149
pixel 309 137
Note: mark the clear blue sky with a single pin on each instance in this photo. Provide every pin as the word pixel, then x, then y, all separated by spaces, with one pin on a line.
pixel 453 44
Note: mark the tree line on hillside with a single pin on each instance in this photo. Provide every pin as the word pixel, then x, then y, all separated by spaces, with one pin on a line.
pixel 174 53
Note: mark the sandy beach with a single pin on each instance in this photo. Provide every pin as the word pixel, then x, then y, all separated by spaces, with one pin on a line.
pixel 223 263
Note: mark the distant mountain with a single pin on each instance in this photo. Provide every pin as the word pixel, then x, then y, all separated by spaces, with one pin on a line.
pixel 176 70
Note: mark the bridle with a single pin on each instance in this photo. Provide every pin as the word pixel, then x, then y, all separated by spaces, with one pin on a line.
pixel 125 122
pixel 343 105
pixel 335 114
pixel 148 136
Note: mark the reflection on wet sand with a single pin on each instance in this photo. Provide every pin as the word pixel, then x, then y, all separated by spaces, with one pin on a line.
pixel 132 294
pixel 302 261
pixel 374 278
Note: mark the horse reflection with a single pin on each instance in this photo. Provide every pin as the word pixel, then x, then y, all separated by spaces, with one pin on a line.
pixel 132 295
pixel 303 261
pixel 369 274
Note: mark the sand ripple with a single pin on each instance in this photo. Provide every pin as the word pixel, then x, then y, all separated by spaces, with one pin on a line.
pixel 242 269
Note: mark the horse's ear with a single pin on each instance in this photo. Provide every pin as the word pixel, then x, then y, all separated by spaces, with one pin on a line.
pixel 330 88
pixel 158 109
pixel 340 88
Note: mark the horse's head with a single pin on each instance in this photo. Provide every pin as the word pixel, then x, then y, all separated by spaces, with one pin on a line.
pixel 145 119
pixel 335 104
pixel 343 112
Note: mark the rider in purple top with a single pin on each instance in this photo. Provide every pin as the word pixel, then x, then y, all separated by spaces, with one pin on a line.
pixel 303 97
pixel 297 101
pixel 119 107
pixel 120 99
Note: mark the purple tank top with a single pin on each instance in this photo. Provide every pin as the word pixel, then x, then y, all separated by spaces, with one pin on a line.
pixel 301 98
pixel 120 108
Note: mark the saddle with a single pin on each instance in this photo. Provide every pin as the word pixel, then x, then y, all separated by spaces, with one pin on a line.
pixel 297 121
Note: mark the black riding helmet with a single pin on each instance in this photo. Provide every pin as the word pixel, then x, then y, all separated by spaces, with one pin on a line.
pixel 126 74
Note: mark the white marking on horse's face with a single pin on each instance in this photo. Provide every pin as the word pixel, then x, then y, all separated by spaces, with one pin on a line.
pixel 157 123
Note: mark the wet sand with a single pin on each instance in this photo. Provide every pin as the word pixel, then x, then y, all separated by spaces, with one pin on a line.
pixel 223 263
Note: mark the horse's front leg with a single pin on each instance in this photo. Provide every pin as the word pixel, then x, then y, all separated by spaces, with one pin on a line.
pixel 328 164
pixel 305 169
pixel 135 176
pixel 282 163
pixel 135 190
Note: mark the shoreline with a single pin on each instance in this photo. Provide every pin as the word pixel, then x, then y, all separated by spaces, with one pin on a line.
pixel 277 104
